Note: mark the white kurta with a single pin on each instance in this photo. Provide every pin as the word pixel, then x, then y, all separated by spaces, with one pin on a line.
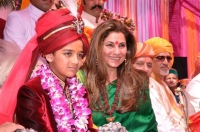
pixel 167 118
pixel 20 25
pixel 192 93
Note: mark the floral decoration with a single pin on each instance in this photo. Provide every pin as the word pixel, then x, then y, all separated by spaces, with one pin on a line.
pixel 67 119
pixel 106 15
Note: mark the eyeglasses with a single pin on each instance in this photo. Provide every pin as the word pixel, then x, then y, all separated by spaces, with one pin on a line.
pixel 162 58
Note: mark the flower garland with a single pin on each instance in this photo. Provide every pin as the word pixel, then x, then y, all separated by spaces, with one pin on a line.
pixel 107 15
pixel 66 121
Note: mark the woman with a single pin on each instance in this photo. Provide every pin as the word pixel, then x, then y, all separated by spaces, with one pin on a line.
pixel 116 90
pixel 53 100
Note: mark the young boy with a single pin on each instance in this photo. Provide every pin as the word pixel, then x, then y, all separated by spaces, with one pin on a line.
pixel 53 100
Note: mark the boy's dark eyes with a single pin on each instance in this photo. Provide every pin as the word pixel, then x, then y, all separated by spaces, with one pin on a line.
pixel 80 55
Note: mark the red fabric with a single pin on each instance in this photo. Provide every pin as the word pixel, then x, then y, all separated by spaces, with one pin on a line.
pixel 34 109
pixel 22 69
pixel 62 18
pixel 17 77
pixel 194 122
pixel 2 25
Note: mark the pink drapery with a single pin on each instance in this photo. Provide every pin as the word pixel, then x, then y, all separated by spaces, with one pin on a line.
pixel 150 16
pixel 184 29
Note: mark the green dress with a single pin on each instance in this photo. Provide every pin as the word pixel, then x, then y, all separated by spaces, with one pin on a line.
pixel 142 120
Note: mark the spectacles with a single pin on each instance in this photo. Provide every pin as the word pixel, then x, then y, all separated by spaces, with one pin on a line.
pixel 162 58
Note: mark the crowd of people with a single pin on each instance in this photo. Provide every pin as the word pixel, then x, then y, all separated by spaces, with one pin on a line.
pixel 55 78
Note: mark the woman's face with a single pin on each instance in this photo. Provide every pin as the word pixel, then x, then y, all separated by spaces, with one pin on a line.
pixel 143 63
pixel 66 61
pixel 114 49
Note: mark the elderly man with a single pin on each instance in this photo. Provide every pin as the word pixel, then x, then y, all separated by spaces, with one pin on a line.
pixel 143 58
pixel 91 12
pixel 169 117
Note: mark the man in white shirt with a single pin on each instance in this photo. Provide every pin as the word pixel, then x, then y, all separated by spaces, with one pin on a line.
pixel 20 25
pixel 192 91
pixel 91 12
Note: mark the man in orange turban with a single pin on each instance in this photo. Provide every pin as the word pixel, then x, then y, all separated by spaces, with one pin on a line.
pixel 168 115
pixel 143 58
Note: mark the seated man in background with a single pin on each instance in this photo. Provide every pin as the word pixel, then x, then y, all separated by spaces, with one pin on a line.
pixel 172 81
pixel 143 58
pixel 169 116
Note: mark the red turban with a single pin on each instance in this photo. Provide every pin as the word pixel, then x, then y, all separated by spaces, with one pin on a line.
pixel 55 29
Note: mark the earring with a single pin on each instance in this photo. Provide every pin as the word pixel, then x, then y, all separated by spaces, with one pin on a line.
pixel 125 61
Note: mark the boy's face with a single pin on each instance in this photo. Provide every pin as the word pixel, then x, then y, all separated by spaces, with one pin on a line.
pixel 66 61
